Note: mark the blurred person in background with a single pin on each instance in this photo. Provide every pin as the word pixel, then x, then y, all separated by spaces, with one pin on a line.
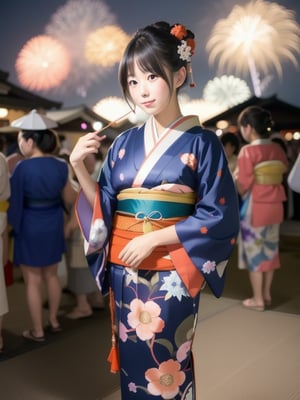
pixel 231 145
pixel 4 196
pixel 40 192
pixel 261 165
pixel 80 279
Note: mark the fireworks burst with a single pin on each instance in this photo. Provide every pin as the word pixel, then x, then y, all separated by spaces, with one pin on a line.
pixel 202 108
pixel 115 108
pixel 105 46
pixel 226 91
pixel 255 38
pixel 71 25
pixel 37 64
pixel 112 108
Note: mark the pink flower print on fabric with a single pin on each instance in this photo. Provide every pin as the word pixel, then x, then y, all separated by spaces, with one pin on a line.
pixel 165 380
pixel 144 318
pixel 123 332
pixel 183 350
pixel 209 266
pixel 122 177
pixel 121 153
pixel 132 387
pixel 190 160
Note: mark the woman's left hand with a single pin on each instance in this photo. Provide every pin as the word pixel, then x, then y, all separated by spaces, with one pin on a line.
pixel 136 251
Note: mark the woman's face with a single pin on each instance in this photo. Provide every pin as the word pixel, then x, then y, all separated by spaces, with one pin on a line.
pixel 149 91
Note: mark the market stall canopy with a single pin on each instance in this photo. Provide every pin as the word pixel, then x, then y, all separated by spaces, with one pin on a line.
pixel 78 119
pixel 14 97
pixel 286 116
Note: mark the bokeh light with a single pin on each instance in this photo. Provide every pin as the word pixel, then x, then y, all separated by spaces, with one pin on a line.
pixel 42 64
pixel 3 112
pixel 106 45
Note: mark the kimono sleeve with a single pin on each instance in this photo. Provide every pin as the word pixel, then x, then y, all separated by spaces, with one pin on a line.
pixel 96 223
pixel 209 235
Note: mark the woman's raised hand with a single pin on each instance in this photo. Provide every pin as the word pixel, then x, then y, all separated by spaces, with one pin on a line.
pixel 86 144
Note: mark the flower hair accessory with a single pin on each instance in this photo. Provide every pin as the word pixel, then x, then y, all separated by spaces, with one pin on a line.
pixel 184 51
pixel 186 48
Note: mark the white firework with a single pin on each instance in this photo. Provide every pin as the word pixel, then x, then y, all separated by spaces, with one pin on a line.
pixel 226 91
pixel 71 24
pixel 256 37
pixel 200 107
pixel 112 108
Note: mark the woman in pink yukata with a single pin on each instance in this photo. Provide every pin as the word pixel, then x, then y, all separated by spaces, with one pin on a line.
pixel 161 220
pixel 261 165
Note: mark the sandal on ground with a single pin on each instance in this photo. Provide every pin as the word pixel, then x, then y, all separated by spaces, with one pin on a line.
pixel 268 302
pixel 53 329
pixel 31 336
pixel 76 313
pixel 252 305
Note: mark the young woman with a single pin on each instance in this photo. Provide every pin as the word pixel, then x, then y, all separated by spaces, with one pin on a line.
pixel 261 165
pixel 161 220
pixel 39 190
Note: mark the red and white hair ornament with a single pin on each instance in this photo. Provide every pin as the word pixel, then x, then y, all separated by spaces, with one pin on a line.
pixel 186 48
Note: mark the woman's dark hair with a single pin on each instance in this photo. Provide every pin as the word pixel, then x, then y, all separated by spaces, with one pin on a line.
pixel 231 138
pixel 46 140
pixel 258 118
pixel 155 50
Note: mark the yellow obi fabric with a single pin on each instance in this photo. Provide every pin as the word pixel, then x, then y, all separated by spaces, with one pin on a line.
pixel 4 205
pixel 269 172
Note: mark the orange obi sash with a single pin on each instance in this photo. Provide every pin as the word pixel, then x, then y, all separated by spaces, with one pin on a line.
pixel 141 210
pixel 126 228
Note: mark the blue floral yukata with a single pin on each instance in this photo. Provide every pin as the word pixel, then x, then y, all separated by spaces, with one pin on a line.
pixel 148 182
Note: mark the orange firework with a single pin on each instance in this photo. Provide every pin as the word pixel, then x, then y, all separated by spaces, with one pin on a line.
pixel 106 45
pixel 43 63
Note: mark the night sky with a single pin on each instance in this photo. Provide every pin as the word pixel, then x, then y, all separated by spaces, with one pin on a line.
pixel 21 21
